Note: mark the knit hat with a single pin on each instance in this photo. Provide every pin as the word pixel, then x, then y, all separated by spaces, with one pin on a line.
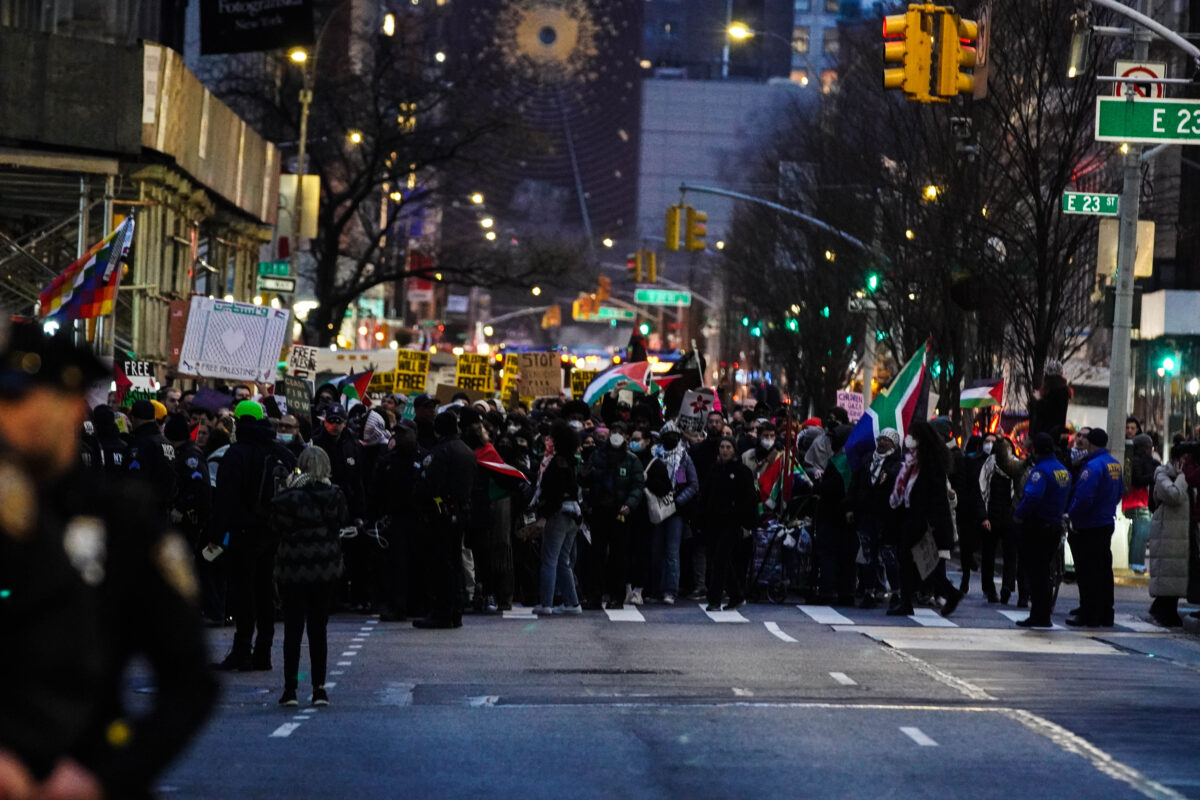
pixel 1053 367
pixel 248 408
pixel 1143 440
pixel 160 410
pixel 892 434
pixel 943 426
pixel 142 410
pixel 1097 436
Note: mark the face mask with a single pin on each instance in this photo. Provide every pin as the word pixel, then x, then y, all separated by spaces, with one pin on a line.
pixel 636 446
pixel 616 440
pixel 286 438
pixel 767 443
pixel 987 448
pixel 910 443
pixel 513 428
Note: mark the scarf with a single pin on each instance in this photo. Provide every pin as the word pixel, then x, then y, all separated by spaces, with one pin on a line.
pixel 902 491
pixel 877 459
pixel 302 479
pixel 670 458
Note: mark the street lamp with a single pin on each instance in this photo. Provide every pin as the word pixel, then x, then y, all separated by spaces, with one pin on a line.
pixel 536 291
pixel 355 137
pixel 487 222
pixel 741 32
pixel 607 242
pixel 477 198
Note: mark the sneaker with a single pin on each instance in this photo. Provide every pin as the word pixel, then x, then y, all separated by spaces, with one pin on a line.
pixel 635 597
pixel 320 696
pixel 288 698
pixel 543 611
pixel 668 599
pixel 569 610
pixel 233 662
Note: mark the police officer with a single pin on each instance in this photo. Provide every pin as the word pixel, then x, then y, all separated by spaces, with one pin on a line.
pixel 447 478
pixel 151 457
pixel 193 500
pixel 1047 489
pixel 88 581
pixel 1092 510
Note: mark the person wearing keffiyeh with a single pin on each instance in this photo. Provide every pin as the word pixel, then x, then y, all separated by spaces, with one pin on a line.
pixel 870 489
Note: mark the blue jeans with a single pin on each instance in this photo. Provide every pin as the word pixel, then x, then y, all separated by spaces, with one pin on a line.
pixel 664 556
pixel 1139 536
pixel 558 542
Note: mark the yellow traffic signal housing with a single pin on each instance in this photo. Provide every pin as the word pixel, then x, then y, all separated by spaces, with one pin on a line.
pixel 696 229
pixel 651 262
pixel 672 231
pixel 603 288
pixel 911 46
pixel 633 266
pixel 552 318
pixel 956 50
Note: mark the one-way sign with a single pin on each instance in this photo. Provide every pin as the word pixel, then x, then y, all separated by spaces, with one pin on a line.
pixel 276 284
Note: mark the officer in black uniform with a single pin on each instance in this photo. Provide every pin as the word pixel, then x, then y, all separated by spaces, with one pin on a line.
pixel 88 581
pixel 193 498
pixel 151 457
pixel 447 477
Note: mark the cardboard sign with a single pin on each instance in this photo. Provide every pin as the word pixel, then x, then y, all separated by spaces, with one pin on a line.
pixel 580 379
pixel 302 361
pixel 695 408
pixel 474 372
pixel 298 393
pixel 541 375
pixel 852 402
pixel 412 371
pixel 381 383
pixel 445 394
pixel 177 314
pixel 236 341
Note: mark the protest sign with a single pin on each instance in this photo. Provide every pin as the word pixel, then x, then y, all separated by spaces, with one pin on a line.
pixel 412 371
pixel 143 385
pixel 445 394
pixel 580 379
pixel 298 393
pixel 236 341
pixel 541 375
pixel 695 408
pixel 302 361
pixel 853 403
pixel 508 377
pixel 474 372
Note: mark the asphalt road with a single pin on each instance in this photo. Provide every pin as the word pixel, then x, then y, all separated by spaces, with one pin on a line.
pixel 773 701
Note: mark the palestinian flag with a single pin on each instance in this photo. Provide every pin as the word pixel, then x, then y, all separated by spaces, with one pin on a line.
pixel 353 388
pixel 906 399
pixel 636 377
pixel 487 457
pixel 982 394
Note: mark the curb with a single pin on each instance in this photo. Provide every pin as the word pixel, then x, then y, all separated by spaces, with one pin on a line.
pixel 1191 625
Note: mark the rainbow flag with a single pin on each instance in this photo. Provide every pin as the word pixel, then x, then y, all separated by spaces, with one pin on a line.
pixel 88 288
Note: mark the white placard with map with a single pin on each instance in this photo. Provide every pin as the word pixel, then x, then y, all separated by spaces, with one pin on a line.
pixel 236 341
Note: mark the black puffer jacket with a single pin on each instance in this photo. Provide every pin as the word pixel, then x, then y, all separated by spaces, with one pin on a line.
pixel 307 519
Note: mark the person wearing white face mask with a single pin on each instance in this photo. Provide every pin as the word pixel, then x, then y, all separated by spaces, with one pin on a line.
pixel 612 481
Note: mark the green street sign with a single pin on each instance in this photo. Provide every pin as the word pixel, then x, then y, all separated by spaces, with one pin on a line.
pixel 1105 205
pixel 606 313
pixel 1150 121
pixel 661 297
pixel 272 268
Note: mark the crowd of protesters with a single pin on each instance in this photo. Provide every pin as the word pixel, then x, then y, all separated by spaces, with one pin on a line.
pixel 415 509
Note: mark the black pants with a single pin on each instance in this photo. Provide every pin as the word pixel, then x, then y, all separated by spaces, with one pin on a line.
pixel 394 588
pixel 1092 550
pixel 305 606
pixel 252 594
pixel 446 587
pixel 836 551
pixel 1039 545
pixel 936 584
pixel 1001 535
pixel 728 560
pixel 500 553
pixel 608 557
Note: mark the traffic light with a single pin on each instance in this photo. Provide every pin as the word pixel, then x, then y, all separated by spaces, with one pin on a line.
pixel 603 288
pixel 650 262
pixel 956 50
pixel 872 282
pixel 671 235
pixel 644 329
pixel 792 324
pixel 1169 364
pixel 552 318
pixel 696 229
pixel 633 266
pixel 911 46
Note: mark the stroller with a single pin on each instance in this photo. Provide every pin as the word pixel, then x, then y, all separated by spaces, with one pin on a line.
pixel 780 560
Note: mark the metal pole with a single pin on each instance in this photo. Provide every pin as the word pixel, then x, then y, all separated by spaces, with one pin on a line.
pixel 1168 385
pixel 1119 363
pixel 725 36
pixel 298 196
pixel 868 359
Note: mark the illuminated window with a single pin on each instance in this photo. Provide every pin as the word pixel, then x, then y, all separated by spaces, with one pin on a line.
pixel 800 38
pixel 830 41
pixel 828 80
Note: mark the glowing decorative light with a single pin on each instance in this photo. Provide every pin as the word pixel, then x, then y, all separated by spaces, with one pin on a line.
pixel 298 55
pixel 258 300
pixel 477 198
pixel 536 291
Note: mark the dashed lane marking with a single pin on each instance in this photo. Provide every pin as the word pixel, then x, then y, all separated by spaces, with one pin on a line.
pixel 843 679
pixel 347 655
pixel 825 615
pixel 742 692
pixel 284 730
pixel 773 627
pixel 918 736
pixel 344 663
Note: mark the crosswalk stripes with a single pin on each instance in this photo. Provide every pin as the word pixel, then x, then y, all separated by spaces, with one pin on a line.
pixel 977 618
pixel 1017 616
pixel 928 618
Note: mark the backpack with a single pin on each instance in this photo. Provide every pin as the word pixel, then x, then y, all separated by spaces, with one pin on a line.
pixel 274 479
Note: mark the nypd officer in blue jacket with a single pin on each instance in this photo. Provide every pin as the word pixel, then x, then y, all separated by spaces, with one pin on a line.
pixel 1047 489
pixel 1092 510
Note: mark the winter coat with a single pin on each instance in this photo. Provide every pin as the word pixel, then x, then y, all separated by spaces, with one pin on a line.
pixel 347 465
pixel 1168 565
pixel 929 507
pixel 308 520
pixel 730 501
pixel 611 479
pixel 236 514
